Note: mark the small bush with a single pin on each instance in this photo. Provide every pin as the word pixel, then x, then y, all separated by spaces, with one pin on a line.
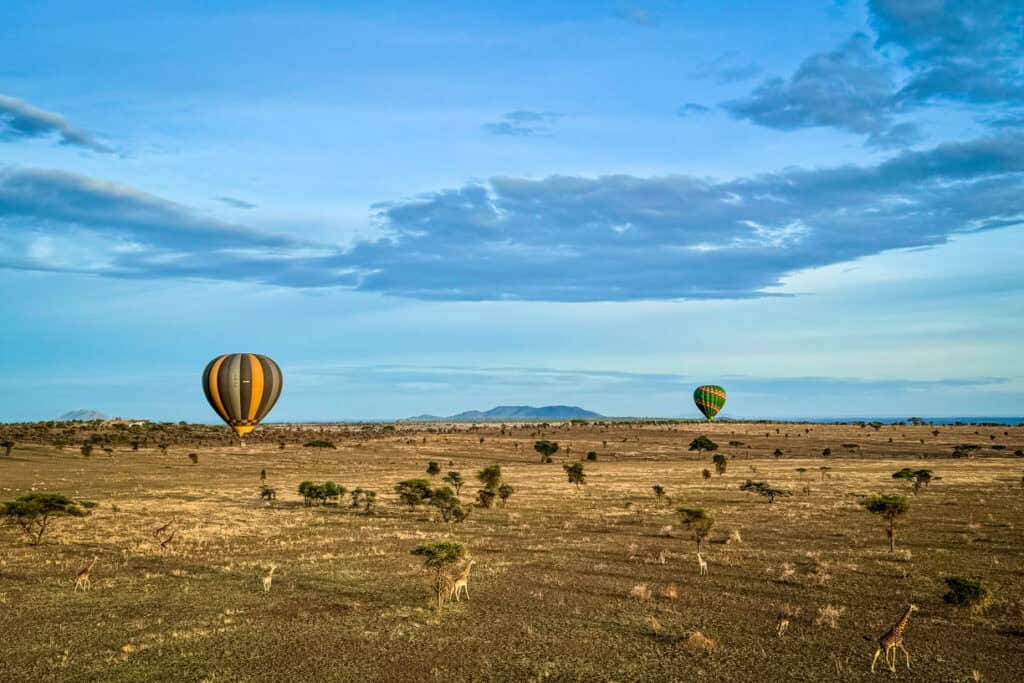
pixel 433 469
pixel 592 456
pixel 968 594
pixel 319 444
pixel 699 644
pixel 829 616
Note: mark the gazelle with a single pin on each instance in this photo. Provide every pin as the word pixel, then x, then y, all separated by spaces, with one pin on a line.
pixel 82 577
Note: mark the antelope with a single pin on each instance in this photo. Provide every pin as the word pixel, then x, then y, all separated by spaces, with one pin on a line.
pixel 703 564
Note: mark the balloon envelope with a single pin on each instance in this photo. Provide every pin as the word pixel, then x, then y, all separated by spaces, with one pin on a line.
pixel 242 388
pixel 709 399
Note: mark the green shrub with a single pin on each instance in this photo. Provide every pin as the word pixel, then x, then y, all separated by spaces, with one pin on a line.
pixel 703 443
pixel 319 444
pixel 968 594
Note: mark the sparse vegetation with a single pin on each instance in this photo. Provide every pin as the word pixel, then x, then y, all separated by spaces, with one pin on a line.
pixel 319 443
pixel 433 469
pixel 721 463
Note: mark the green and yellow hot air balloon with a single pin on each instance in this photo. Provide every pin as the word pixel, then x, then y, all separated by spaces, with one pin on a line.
pixel 709 399
pixel 242 388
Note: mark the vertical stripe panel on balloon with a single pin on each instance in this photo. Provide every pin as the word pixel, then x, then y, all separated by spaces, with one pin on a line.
pixel 213 387
pixel 228 383
pixel 272 387
pixel 244 386
pixel 256 380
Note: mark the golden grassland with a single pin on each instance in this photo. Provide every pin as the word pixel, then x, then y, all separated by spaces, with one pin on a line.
pixel 596 584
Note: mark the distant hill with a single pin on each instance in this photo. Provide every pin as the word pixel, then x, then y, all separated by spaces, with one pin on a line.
pixel 84 415
pixel 518 413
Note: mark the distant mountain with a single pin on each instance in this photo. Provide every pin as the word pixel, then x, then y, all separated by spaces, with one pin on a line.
pixel 84 415
pixel 518 413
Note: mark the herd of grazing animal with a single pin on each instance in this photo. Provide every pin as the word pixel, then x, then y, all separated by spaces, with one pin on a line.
pixel 888 644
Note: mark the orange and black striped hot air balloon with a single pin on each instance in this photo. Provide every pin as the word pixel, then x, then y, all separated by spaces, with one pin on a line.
pixel 242 388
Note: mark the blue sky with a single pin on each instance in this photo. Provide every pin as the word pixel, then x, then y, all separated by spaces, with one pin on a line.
pixel 421 209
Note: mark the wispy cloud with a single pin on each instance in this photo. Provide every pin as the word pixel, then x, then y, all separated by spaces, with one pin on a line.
pixel 561 238
pixel 235 203
pixel 692 109
pixel 20 120
pixel 640 16
pixel 523 123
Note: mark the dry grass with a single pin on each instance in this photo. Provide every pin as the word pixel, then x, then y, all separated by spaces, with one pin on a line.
pixel 596 585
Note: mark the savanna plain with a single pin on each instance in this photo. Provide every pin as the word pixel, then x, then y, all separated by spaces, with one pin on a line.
pixel 592 582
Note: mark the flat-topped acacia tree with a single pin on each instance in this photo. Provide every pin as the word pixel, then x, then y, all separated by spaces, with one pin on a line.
pixel 34 511
pixel 546 449
pixel 890 507
pixel 703 443
pixel 438 557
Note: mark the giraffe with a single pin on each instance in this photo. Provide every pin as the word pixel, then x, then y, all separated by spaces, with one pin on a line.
pixel 158 532
pixel 82 577
pixel 268 579
pixel 893 639
pixel 461 583
pixel 703 564
pixel 164 543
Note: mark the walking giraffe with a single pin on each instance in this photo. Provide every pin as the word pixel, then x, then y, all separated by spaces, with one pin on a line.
pixel 461 583
pixel 82 577
pixel 893 639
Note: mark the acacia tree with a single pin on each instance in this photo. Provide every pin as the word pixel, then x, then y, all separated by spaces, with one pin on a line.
pixel 413 492
pixel 698 521
pixel 575 474
pixel 505 492
pixel 917 478
pixel 490 477
pixel 703 443
pixel 720 463
pixel 445 500
pixel 455 479
pixel 659 492
pixel 33 512
pixel 890 507
pixel 546 449
pixel 438 557
pixel 763 488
